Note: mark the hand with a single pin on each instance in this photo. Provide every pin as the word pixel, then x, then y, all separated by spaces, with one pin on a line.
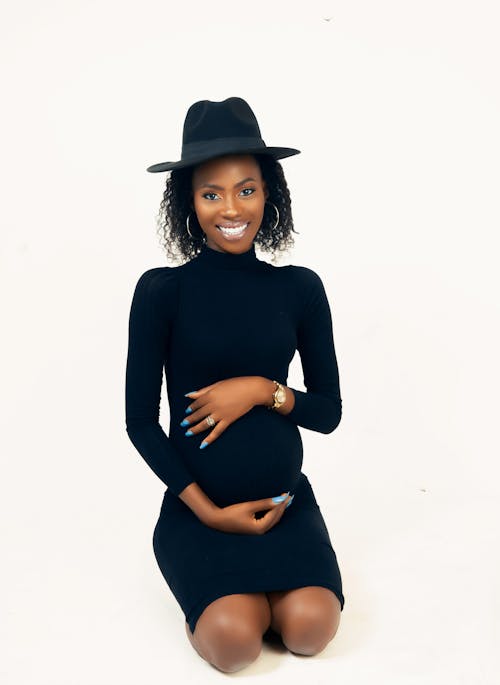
pixel 240 518
pixel 225 401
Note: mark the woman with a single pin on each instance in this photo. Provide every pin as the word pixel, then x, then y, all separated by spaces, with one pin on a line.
pixel 241 562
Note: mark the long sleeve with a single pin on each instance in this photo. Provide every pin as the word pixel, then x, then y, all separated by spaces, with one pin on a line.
pixel 320 408
pixel 147 346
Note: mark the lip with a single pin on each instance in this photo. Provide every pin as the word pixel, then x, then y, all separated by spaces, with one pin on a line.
pixel 236 236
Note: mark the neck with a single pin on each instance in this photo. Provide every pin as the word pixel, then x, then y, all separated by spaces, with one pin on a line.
pixel 228 260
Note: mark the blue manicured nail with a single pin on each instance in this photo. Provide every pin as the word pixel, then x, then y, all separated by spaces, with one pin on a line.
pixel 189 433
pixel 188 410
pixel 291 500
pixel 280 498
pixel 185 423
pixel 203 444
pixel 188 393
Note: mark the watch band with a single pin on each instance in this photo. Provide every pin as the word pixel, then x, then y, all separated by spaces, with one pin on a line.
pixel 278 392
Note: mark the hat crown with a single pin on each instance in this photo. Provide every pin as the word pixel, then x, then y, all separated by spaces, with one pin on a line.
pixel 216 128
pixel 229 118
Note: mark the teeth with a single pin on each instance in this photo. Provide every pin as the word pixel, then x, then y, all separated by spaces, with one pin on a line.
pixel 237 229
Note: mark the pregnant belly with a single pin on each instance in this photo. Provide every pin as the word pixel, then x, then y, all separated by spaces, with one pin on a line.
pixel 259 455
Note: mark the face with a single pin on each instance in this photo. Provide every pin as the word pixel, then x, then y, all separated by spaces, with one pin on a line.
pixel 229 191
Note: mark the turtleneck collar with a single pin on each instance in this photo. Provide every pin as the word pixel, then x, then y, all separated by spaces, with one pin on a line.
pixel 227 260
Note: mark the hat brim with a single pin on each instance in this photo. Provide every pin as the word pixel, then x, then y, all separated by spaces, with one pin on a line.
pixel 276 152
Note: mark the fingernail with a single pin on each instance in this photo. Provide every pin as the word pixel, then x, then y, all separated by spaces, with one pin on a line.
pixel 189 433
pixel 185 423
pixel 203 444
pixel 291 500
pixel 188 410
pixel 280 498
pixel 189 393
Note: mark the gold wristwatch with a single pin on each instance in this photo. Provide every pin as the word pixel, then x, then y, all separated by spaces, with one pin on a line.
pixel 279 396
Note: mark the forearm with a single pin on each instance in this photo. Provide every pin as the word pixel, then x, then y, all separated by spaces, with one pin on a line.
pixel 319 412
pixel 156 448
pixel 264 388
pixel 199 503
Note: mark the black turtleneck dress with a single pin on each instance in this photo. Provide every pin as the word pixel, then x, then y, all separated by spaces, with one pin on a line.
pixel 218 316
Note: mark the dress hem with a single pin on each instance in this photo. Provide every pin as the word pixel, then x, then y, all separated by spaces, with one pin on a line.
pixel 261 585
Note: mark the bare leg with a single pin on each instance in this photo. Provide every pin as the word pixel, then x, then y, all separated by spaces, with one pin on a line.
pixel 229 632
pixel 307 618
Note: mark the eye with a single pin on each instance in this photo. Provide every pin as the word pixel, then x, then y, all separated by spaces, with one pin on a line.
pixel 244 189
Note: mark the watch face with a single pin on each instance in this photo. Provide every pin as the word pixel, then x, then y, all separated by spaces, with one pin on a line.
pixel 280 395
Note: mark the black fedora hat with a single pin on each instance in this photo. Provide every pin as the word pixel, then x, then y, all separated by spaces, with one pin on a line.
pixel 212 129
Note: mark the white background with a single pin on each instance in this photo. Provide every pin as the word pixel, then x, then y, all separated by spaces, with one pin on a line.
pixel 395 107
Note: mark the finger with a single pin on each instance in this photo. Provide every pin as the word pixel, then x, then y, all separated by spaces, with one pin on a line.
pixel 196 393
pixel 196 406
pixel 216 431
pixel 196 422
pixel 266 503
pixel 271 517
pixel 267 521
pixel 282 508
pixel 197 402
pixel 276 515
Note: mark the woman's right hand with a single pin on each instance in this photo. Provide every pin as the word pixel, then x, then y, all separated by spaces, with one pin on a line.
pixel 240 517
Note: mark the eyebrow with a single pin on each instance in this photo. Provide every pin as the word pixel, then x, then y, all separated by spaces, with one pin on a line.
pixel 213 185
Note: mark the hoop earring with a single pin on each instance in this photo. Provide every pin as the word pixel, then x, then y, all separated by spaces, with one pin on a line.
pixel 204 239
pixel 277 214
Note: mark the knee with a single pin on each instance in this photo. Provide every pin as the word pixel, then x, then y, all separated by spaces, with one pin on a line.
pixel 308 630
pixel 233 645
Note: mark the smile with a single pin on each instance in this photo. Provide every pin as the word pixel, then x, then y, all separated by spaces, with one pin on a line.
pixel 233 230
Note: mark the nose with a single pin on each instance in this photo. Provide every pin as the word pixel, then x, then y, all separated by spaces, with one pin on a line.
pixel 230 208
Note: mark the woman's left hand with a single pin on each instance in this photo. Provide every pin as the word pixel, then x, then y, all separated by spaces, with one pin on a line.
pixel 225 401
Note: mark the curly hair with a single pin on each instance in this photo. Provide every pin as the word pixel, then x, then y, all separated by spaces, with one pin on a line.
pixel 176 206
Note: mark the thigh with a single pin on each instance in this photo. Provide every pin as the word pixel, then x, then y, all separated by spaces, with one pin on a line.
pixel 312 603
pixel 238 617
